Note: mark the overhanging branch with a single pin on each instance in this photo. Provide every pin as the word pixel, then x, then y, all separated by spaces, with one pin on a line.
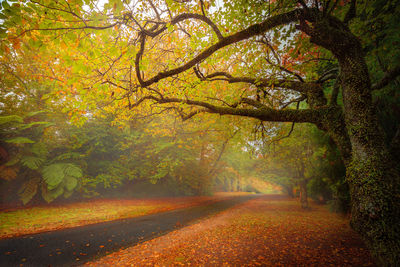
pixel 258 111
pixel 254 30
pixel 302 87
pixel 387 78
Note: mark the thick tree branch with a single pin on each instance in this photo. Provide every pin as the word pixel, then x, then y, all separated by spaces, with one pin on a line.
pixel 262 113
pixel 251 31
pixel 183 17
pixel 395 143
pixel 302 87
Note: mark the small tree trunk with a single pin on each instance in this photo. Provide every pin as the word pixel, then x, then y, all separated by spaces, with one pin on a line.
pixel 303 194
pixel 289 190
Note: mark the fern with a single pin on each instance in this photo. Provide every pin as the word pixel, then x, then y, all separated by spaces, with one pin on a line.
pixel 50 195
pixel 70 182
pixel 34 113
pixel 28 190
pixel 67 193
pixel 45 124
pixel 53 175
pixel 39 149
pixel 32 162
pixel 13 160
pixel 11 118
pixel 68 155
pixel 72 170
pixel 20 140
pixel 57 173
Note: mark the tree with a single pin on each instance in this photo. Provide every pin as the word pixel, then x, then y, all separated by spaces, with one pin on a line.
pixel 247 58
pixel 293 161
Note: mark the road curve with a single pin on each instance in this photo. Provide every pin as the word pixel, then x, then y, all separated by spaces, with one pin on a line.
pixel 74 246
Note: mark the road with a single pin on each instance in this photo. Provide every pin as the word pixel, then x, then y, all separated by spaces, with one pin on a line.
pixel 74 246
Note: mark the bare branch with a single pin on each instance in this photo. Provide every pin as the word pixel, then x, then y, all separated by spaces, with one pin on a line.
pixel 251 31
pixel 330 10
pixel 387 78
pixel 115 85
pixel 330 74
pixel 202 8
pixel 282 68
pixel 286 136
pixel 302 87
pixel 325 6
pixel 221 152
pixel 302 3
pixel 182 17
pixel 335 92
pixel 9 70
pixel 351 13
pixel 154 8
pixel 297 100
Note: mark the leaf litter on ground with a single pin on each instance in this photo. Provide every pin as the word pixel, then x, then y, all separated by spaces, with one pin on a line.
pixel 267 231
pixel 22 221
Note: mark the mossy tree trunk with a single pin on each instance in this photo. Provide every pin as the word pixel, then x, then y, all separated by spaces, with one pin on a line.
pixel 372 173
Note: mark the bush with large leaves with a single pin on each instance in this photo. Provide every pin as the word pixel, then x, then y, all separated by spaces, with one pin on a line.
pixel 60 179
pixel 30 160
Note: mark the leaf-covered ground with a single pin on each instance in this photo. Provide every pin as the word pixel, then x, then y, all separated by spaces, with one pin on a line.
pixel 268 231
pixel 48 218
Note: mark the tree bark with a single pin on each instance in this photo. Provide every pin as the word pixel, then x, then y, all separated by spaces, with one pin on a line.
pixel 303 194
pixel 371 171
pixel 372 174
pixel 289 190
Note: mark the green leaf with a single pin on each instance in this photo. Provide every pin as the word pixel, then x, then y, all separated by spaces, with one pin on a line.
pixel 68 155
pixel 11 118
pixel 50 195
pixel 33 113
pixel 32 162
pixel 39 149
pixel 20 140
pixel 13 161
pixel 73 170
pixel 57 173
pixel 53 175
pixel 70 182
pixel 44 123
pixel 28 190
pixel 67 193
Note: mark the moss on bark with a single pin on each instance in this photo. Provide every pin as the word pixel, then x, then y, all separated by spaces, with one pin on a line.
pixel 375 191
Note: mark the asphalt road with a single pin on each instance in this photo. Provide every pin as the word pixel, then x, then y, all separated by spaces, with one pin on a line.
pixel 70 247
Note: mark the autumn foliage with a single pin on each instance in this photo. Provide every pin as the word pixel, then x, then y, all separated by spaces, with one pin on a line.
pixel 23 221
pixel 267 231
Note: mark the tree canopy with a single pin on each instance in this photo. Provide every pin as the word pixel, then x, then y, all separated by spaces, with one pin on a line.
pixel 330 63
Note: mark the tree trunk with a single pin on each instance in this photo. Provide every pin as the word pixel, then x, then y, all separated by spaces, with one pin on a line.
pixel 289 190
pixel 371 174
pixel 371 171
pixel 303 194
